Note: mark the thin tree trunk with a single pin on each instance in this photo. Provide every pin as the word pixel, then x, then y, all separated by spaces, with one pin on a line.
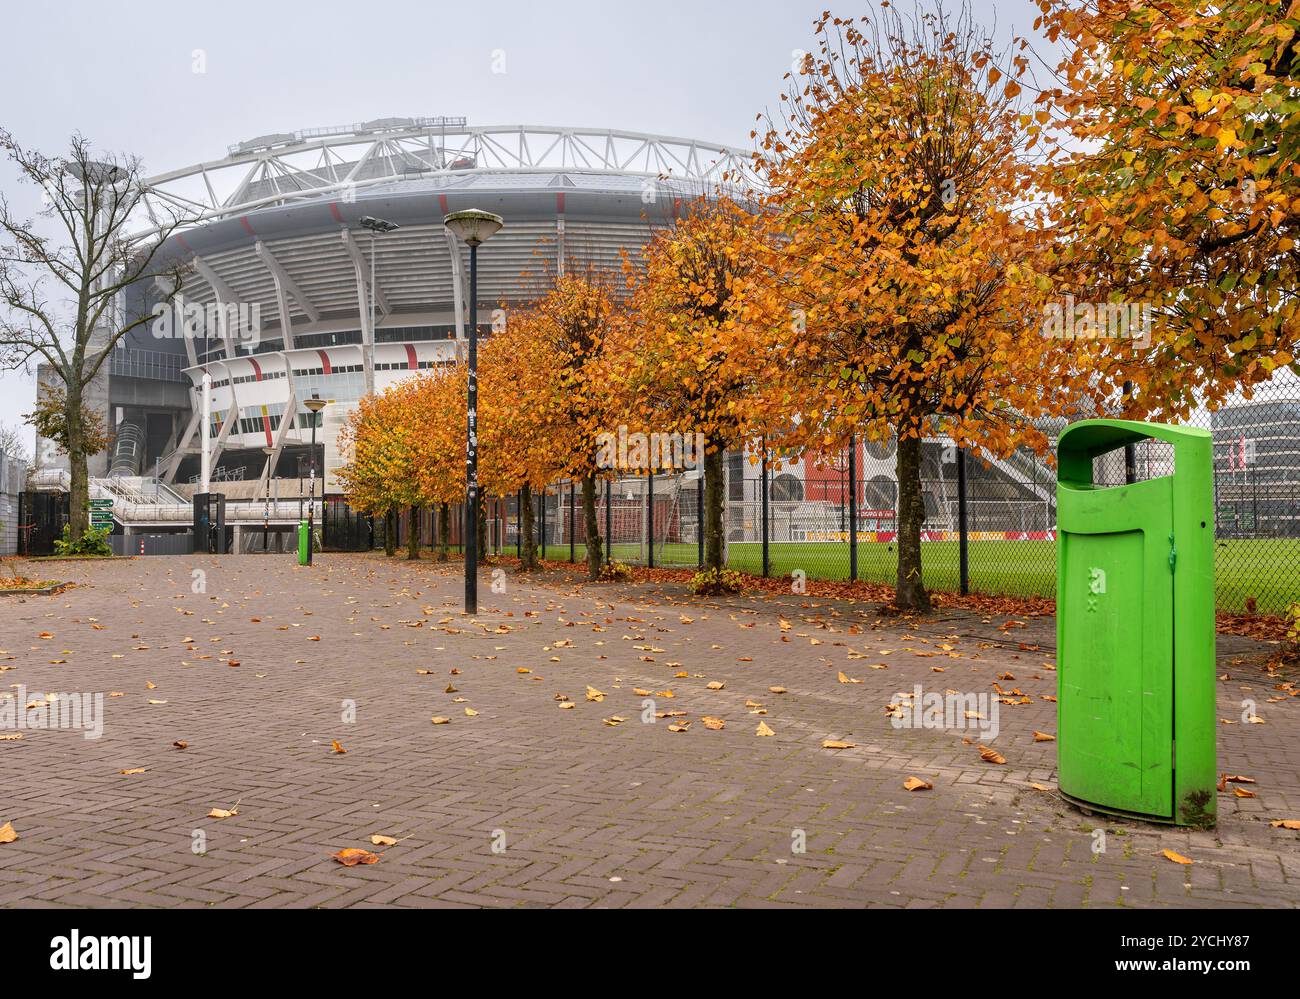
pixel 528 529
pixel 444 530
pixel 390 532
pixel 413 538
pixel 79 496
pixel 910 594
pixel 595 555
pixel 713 498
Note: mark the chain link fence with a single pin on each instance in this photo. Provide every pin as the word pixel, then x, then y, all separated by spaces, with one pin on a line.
pixel 833 516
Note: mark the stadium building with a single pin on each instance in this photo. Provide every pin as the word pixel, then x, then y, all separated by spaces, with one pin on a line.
pixel 290 296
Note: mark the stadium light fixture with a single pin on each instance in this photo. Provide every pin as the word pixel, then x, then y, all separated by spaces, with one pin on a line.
pixel 377 225
pixel 472 227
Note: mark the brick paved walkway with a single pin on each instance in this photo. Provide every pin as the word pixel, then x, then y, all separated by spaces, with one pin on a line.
pixel 588 813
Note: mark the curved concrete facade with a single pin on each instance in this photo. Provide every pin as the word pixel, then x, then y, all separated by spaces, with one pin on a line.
pixel 279 302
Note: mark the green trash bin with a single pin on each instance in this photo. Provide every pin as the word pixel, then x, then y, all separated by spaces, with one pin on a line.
pixel 304 543
pixel 1135 627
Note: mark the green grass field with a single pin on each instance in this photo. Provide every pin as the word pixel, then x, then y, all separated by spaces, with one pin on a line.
pixel 1268 570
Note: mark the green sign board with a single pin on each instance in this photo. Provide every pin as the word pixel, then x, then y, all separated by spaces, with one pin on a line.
pixel 101 504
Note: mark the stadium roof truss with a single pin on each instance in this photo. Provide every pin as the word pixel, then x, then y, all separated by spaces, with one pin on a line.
pixel 284 167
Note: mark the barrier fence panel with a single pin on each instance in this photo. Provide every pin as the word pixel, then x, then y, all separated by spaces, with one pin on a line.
pixel 833 514
pixel 675 519
pixel 798 510
pixel 1011 518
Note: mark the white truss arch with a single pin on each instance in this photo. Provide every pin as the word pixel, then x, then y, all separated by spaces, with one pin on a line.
pixel 284 167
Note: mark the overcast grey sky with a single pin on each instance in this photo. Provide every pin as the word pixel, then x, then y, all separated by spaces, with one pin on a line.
pixel 123 74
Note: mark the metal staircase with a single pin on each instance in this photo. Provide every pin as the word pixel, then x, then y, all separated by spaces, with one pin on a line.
pixel 145 501
pixel 128 450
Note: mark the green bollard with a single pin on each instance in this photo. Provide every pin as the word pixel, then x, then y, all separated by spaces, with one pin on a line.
pixel 1135 628
pixel 304 543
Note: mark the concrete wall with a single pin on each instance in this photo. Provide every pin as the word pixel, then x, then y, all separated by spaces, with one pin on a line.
pixel 13 474
pixel 178 543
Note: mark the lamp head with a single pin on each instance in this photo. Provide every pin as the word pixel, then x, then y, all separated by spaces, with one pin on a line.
pixel 315 403
pixel 473 226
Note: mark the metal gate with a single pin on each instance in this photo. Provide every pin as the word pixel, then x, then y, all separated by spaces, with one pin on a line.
pixel 41 519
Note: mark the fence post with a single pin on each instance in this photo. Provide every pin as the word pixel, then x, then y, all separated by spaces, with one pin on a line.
pixel 962 533
pixel 853 508
pixel 699 516
pixel 1130 451
pixel 763 504
pixel 572 541
pixel 609 520
pixel 650 518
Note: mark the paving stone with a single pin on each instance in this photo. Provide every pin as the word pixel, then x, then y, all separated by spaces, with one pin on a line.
pixel 582 813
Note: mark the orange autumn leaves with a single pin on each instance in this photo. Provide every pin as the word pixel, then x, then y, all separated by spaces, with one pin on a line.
pixel 922 209
pixel 538 412
pixel 905 260
pixel 1175 181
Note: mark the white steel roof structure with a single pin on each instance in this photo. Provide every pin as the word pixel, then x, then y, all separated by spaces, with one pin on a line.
pixel 279 168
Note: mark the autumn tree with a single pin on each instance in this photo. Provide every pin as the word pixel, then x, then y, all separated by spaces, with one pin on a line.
pixel 50 420
pixel 683 359
pixel 64 273
pixel 524 439
pixel 438 419
pixel 572 321
pixel 1176 178
pixel 906 260
pixel 364 476
pixel 396 462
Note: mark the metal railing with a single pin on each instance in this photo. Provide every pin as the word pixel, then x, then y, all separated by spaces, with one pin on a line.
pixel 132 362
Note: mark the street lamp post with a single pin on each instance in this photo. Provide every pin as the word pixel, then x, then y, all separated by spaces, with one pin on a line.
pixel 315 404
pixel 376 227
pixel 472 227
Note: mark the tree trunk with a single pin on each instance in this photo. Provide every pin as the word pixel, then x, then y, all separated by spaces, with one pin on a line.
pixel 713 501
pixel 527 527
pixel 413 537
pixel 79 497
pixel 595 556
pixel 910 594
pixel 444 530
pixel 390 532
pixel 482 532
